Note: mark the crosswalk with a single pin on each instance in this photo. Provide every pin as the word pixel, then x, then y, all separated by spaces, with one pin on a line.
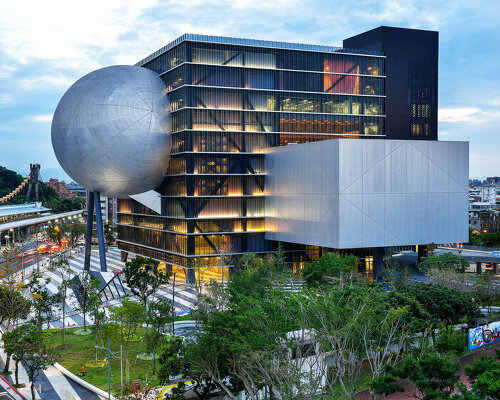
pixel 184 297
pixel 55 385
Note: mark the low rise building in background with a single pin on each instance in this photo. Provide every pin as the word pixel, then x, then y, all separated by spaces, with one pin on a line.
pixel 60 187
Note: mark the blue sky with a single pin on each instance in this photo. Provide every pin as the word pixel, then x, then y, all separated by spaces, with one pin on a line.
pixel 46 45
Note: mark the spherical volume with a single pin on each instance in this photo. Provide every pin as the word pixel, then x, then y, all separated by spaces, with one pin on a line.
pixel 111 131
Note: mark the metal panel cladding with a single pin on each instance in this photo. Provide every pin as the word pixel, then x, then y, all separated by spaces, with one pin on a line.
pixel 111 131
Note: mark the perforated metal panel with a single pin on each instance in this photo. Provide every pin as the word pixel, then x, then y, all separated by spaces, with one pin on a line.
pixel 111 131
pixel 422 94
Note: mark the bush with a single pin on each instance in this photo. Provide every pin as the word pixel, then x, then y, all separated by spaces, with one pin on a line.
pixel 451 341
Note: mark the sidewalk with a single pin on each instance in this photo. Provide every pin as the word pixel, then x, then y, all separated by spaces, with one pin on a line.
pixel 464 360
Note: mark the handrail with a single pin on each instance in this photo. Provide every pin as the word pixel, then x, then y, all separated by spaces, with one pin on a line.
pixel 13 388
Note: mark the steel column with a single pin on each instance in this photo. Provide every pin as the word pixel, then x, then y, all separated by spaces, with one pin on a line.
pixel 88 238
pixel 100 234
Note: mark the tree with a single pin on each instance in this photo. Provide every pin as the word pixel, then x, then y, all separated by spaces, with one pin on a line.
pixel 55 233
pixel 449 278
pixel 416 316
pixel 144 279
pixel 86 291
pixel 430 249
pixel 433 376
pixel 356 325
pixel 445 261
pixel 215 297
pixel 442 303
pixel 37 359
pixel 43 301
pixel 485 289
pixel 13 305
pixel 331 267
pixel 170 362
pixel 109 234
pixel 161 312
pixel 483 374
pixel 9 266
pixel 334 317
pixel 75 230
pixel 126 319
pixel 18 342
pixel 247 261
pixel 99 316
pixel 395 272
pixel 62 267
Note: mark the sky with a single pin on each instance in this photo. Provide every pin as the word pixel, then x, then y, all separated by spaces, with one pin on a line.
pixel 46 45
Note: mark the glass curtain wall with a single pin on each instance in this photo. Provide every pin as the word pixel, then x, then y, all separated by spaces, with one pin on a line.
pixel 229 102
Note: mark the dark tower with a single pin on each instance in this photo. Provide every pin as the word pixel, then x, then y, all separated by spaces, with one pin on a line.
pixel 34 178
pixel 411 85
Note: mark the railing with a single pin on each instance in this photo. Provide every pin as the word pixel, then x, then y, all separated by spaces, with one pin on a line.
pixel 113 289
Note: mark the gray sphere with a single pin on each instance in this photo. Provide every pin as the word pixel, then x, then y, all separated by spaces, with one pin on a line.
pixel 111 131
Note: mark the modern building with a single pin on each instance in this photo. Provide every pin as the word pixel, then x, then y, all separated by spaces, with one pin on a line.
pixel 485 221
pixel 234 100
pixel 109 207
pixel 77 189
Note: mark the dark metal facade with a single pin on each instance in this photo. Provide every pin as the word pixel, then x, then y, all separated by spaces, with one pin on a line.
pixel 231 99
pixel 411 82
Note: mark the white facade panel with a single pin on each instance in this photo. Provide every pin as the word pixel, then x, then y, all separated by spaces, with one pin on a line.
pixel 345 193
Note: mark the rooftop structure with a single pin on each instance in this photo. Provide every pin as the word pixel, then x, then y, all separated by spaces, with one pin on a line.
pixel 21 211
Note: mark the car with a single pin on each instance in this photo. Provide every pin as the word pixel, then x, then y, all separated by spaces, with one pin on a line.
pixel 495 254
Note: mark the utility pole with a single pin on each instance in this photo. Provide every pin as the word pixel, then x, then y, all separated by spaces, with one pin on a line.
pixel 109 368
pixel 121 368
pixel 173 306
pixel 109 365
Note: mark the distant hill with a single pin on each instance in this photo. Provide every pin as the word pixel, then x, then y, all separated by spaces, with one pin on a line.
pixel 9 180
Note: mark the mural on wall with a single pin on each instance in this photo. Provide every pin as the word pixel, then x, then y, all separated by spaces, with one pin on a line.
pixel 483 335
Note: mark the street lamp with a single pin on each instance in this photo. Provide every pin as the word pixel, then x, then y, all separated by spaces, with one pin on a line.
pixel 110 354
pixel 173 306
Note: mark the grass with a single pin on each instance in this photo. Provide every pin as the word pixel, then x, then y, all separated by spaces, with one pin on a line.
pixel 187 317
pixel 79 351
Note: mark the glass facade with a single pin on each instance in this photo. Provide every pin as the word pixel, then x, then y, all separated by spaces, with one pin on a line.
pixel 231 99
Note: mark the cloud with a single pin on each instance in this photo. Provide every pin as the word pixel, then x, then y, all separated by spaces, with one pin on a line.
pixel 71 34
pixel 482 164
pixel 459 114
pixel 6 71
pixel 47 45
pixel 43 118
pixel 5 98
pixel 44 81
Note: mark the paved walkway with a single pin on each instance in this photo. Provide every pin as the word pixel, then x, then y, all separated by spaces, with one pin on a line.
pixel 185 297
pixel 464 360
pixel 55 386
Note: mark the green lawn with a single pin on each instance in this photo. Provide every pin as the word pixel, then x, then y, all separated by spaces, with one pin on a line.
pixel 80 352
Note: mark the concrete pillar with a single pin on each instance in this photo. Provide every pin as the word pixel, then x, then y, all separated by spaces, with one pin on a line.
pixel 378 262
pixel 421 252
pixel 478 267
pixel 190 275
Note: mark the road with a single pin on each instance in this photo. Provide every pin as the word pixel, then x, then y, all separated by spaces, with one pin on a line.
pixel 28 260
pixel 472 256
